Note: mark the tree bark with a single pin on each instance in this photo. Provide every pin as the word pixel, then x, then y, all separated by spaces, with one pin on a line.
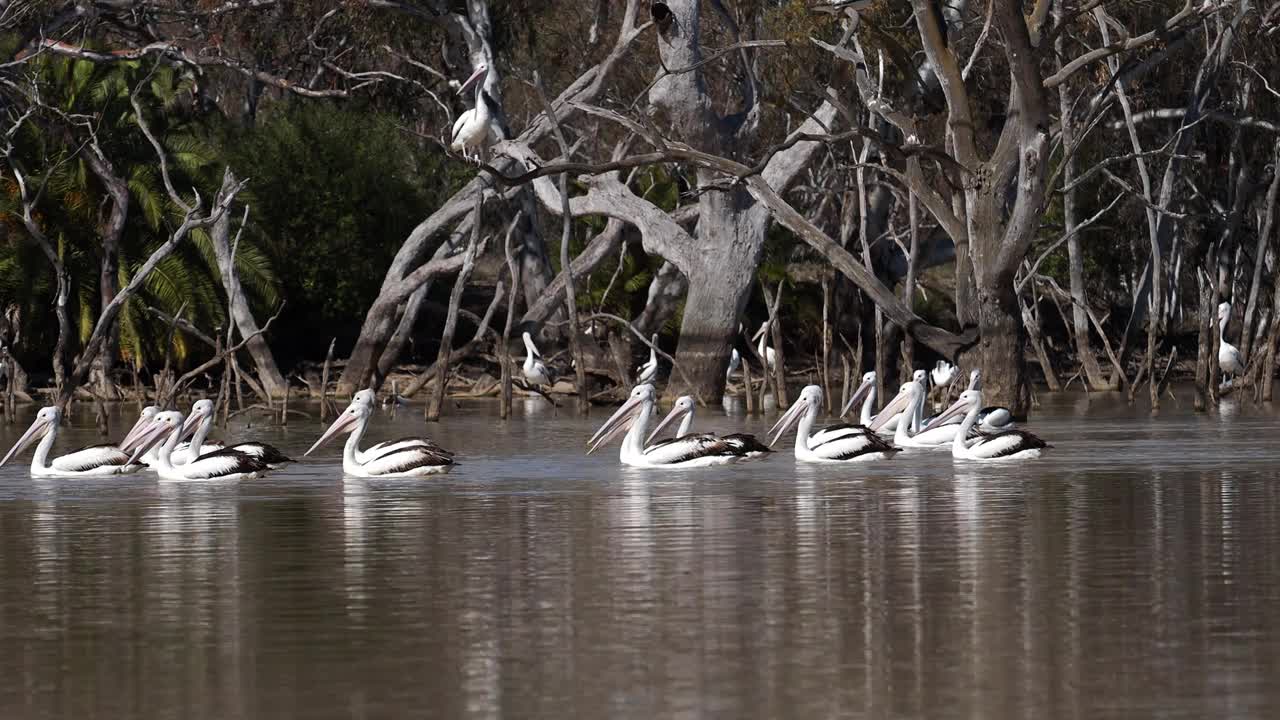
pixel 109 264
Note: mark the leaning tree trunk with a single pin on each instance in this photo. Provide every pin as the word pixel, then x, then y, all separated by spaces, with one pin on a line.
pixel 238 303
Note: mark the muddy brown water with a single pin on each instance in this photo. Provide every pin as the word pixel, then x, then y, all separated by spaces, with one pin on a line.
pixel 1134 572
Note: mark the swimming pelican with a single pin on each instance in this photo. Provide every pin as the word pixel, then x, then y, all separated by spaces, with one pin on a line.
pixel 683 410
pixel 367 397
pixel 197 427
pixel 648 372
pixel 910 402
pixel 400 460
pixel 684 452
pixel 142 423
pixel 767 354
pixel 1007 445
pixel 225 464
pixel 535 371
pixel 866 394
pixel 92 460
pixel 470 134
pixel 990 419
pixel 837 443
pixel 890 426
pixel 1229 357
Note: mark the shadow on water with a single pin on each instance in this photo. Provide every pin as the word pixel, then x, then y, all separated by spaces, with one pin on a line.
pixel 1131 573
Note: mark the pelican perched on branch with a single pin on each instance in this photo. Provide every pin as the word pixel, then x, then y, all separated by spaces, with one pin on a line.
pixel 535 371
pixel 470 134
pixel 836 443
pixel 648 372
pixel 767 354
pixel 197 427
pixel 224 464
pixel 88 461
pixel 403 458
pixel 1229 357
pixel 1007 445
pixel 688 451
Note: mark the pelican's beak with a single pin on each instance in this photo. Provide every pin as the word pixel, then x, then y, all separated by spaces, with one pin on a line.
pixel 147 439
pixel 788 419
pixel 959 407
pixel 860 395
pixel 142 424
pixel 760 331
pixel 479 73
pixel 343 424
pixel 33 433
pixel 193 422
pixel 896 405
pixel 617 423
pixel 675 414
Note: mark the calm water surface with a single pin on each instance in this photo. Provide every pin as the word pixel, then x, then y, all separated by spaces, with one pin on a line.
pixel 1133 573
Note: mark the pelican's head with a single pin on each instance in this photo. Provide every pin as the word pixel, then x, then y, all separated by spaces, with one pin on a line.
pixel 920 376
pixel 860 395
pixel 480 72
pixel 144 421
pixel 969 400
pixel 47 420
pixel 200 410
pixel 908 393
pixel 364 397
pixel 356 414
pixel 162 426
pixel 1224 311
pixel 625 416
pixel 809 403
pixel 975 379
pixel 683 406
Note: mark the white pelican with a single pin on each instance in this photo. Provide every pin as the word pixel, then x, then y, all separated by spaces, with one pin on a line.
pixel 92 460
pixel 735 361
pixel 990 419
pixel 535 371
pixel 837 443
pixel 767 354
pixel 399 459
pixel 648 372
pixel 470 134
pixel 684 452
pixel 225 464
pixel 890 425
pixel 1007 445
pixel 909 402
pixel 367 397
pixel 683 410
pixel 942 375
pixel 142 423
pixel 866 394
pixel 1229 357
pixel 197 427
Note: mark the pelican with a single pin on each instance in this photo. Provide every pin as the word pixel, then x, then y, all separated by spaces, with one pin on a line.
pixel 866 394
pixel 390 460
pixel 367 397
pixel 89 461
pixel 648 372
pixel 683 410
pixel 535 371
pixel 1229 357
pixel 226 464
pixel 470 134
pixel 767 354
pixel 909 402
pixel 735 361
pixel 891 421
pixel 143 421
pixel 837 443
pixel 1007 445
pixel 992 418
pixel 942 375
pixel 197 427
pixel 689 451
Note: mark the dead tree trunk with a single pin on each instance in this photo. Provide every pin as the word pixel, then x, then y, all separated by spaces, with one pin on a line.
pixel 109 263
pixel 436 403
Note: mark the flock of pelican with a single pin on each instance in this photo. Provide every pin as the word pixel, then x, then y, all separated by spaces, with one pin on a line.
pixel 177 447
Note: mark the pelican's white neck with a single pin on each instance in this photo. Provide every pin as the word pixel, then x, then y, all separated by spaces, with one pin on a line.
pixel 40 461
pixel 805 427
pixel 202 432
pixel 958 446
pixel 164 458
pixel 686 425
pixel 352 447
pixel 633 443
pixel 868 406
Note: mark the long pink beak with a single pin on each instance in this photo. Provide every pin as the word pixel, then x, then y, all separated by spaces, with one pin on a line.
pixel 343 424
pixel 617 423
pixel 475 76
pixel 33 433
pixel 790 418
pixel 675 414
pixel 148 439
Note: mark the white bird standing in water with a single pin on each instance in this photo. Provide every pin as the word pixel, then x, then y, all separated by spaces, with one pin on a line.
pixel 735 362
pixel 648 372
pixel 225 464
pixel 837 443
pixel 688 451
pixel 767 354
pixel 89 461
pixel 410 457
pixel 1007 445
pixel 1229 357
pixel 535 371
pixel 470 134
